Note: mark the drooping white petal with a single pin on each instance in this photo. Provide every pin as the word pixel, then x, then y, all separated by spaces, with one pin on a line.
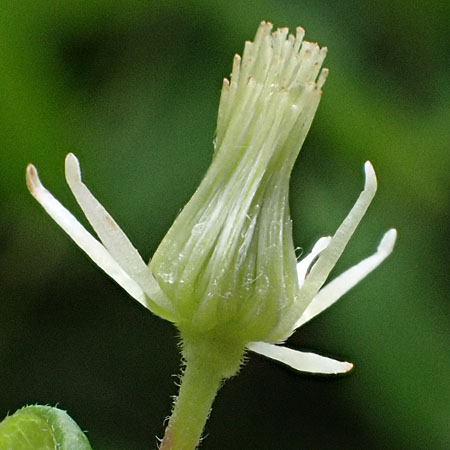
pixel 301 361
pixel 81 236
pixel 329 256
pixel 334 290
pixel 304 264
pixel 112 236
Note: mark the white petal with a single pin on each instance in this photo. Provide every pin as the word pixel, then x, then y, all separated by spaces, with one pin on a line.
pixel 81 236
pixel 331 254
pixel 112 236
pixel 334 290
pixel 301 361
pixel 304 265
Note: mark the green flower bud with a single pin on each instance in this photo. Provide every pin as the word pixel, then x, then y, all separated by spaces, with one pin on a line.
pixel 228 262
pixel 39 427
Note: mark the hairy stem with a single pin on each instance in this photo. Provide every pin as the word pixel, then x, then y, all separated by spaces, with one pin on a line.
pixel 210 358
pixel 199 385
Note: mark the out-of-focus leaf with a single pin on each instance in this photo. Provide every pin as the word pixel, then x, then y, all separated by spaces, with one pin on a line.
pixel 40 427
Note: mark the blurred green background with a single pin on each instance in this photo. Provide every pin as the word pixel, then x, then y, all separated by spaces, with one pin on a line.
pixel 132 88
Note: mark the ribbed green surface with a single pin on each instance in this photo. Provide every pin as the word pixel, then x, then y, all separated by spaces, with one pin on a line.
pixel 41 428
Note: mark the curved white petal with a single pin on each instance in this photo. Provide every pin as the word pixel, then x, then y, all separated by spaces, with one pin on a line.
pixel 301 361
pixel 81 236
pixel 334 290
pixel 112 236
pixel 331 254
pixel 304 265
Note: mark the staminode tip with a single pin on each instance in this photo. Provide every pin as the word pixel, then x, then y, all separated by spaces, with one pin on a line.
pixel 322 77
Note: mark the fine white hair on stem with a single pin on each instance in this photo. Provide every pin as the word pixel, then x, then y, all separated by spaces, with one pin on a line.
pixel 94 249
pixel 301 361
pixel 334 290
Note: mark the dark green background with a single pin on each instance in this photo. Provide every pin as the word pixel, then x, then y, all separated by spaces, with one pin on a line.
pixel 132 88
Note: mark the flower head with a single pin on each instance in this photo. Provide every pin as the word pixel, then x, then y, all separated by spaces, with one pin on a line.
pixel 227 267
pixel 228 262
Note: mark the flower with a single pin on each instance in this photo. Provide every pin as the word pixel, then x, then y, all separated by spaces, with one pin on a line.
pixel 226 271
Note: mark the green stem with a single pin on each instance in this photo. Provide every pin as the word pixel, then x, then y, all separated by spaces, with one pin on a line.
pixel 210 359
pixel 199 385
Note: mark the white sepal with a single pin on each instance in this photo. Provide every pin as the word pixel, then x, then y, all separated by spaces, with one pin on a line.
pixel 94 249
pixel 112 236
pixel 334 290
pixel 301 361
pixel 331 254
pixel 305 264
